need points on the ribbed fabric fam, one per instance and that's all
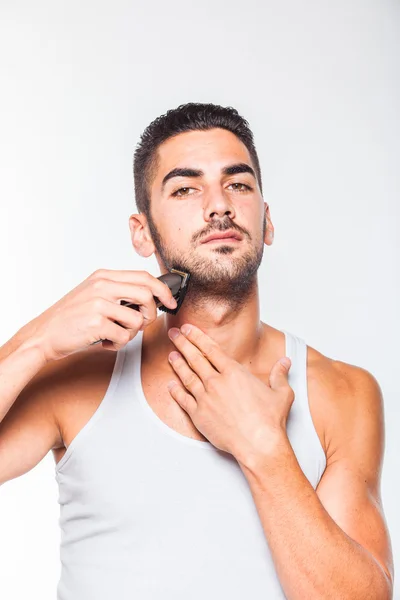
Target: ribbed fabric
(147, 513)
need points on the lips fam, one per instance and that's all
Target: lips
(228, 235)
(216, 240)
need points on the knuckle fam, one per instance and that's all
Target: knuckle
(184, 402)
(188, 380)
(147, 294)
(290, 394)
(194, 359)
(124, 336)
(138, 316)
(210, 349)
(143, 273)
(99, 273)
(98, 283)
(98, 304)
(138, 319)
(135, 324)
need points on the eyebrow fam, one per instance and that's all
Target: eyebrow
(188, 172)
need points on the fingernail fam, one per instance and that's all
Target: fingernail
(285, 361)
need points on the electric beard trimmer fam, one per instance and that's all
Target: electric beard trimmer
(177, 281)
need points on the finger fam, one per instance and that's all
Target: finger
(189, 379)
(113, 324)
(116, 335)
(193, 356)
(135, 293)
(278, 377)
(158, 288)
(185, 400)
(210, 349)
(122, 315)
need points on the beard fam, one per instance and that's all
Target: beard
(222, 275)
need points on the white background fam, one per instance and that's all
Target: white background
(318, 82)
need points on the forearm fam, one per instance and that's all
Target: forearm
(20, 359)
(314, 558)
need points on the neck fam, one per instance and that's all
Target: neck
(239, 332)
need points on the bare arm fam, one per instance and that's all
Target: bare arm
(20, 359)
(28, 429)
(332, 542)
(35, 364)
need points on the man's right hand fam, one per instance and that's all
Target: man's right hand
(87, 313)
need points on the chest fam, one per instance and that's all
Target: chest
(81, 407)
(160, 401)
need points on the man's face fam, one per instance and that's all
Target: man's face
(188, 207)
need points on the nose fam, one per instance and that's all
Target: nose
(219, 205)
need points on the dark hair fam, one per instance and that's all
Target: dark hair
(187, 117)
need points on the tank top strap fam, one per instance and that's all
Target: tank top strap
(130, 370)
(296, 350)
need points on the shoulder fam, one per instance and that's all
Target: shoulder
(80, 383)
(60, 377)
(67, 384)
(67, 388)
(348, 399)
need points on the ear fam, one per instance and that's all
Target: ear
(269, 231)
(140, 235)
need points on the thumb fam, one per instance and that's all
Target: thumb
(278, 377)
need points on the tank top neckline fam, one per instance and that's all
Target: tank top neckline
(206, 445)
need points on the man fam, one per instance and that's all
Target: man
(249, 476)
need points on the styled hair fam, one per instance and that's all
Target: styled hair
(186, 117)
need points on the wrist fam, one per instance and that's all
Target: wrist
(267, 454)
(35, 347)
(29, 341)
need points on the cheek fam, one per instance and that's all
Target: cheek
(182, 226)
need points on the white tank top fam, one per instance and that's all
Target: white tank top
(147, 513)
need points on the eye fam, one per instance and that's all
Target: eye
(244, 185)
(183, 189)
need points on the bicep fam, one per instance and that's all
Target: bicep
(29, 429)
(350, 486)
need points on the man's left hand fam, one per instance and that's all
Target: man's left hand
(230, 406)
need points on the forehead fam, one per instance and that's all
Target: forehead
(206, 150)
